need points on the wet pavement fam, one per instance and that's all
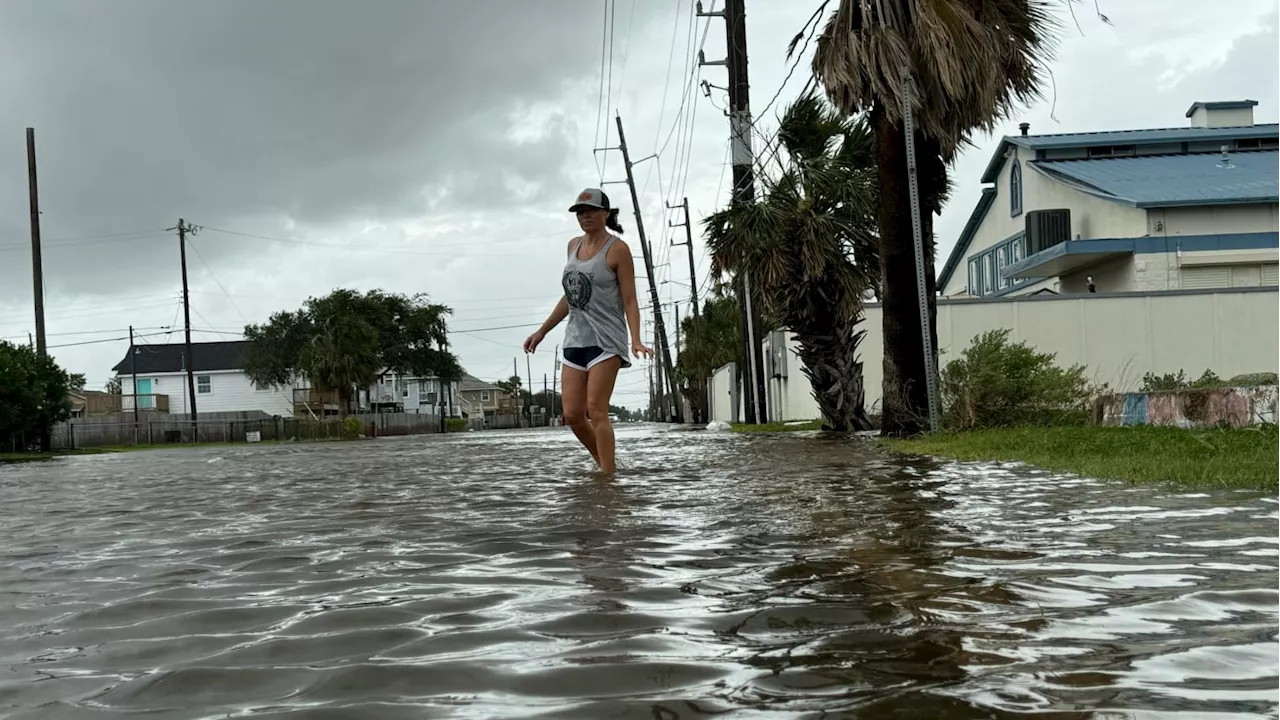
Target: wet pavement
(489, 575)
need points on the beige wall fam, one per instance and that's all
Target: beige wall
(1212, 220)
(1119, 338)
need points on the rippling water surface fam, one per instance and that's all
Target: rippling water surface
(489, 575)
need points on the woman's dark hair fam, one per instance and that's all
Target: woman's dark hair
(612, 223)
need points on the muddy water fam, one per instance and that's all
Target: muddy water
(487, 575)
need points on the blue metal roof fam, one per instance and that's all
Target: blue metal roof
(1170, 180)
(1125, 137)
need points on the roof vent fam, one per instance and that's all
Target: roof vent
(1024, 127)
(1225, 113)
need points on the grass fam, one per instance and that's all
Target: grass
(1244, 458)
(777, 427)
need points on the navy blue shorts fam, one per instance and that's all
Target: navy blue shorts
(584, 358)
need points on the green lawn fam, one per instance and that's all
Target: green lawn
(1221, 458)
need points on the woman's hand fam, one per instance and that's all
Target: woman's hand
(532, 342)
(639, 350)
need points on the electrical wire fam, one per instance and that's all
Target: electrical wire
(218, 282)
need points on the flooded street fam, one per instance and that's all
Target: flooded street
(489, 575)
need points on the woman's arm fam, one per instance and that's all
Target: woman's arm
(558, 314)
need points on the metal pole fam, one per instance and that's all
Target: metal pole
(922, 292)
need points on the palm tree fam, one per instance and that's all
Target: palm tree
(711, 340)
(810, 247)
(971, 62)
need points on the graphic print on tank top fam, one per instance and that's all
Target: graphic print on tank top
(577, 289)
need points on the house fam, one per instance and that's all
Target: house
(221, 385)
(1126, 251)
(1182, 208)
(489, 401)
(409, 394)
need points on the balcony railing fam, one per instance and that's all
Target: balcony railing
(146, 402)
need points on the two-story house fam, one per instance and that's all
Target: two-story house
(487, 400)
(1191, 207)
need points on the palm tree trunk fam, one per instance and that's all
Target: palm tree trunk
(828, 347)
(904, 400)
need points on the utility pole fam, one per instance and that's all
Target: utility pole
(555, 377)
(659, 327)
(37, 264)
(528, 369)
(734, 15)
(183, 229)
(133, 370)
(688, 243)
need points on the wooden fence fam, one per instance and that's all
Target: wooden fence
(172, 431)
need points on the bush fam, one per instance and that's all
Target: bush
(352, 427)
(1170, 381)
(455, 424)
(996, 383)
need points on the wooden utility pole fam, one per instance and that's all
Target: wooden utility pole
(659, 326)
(734, 14)
(688, 243)
(133, 370)
(37, 264)
(183, 229)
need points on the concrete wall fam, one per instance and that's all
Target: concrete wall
(790, 394)
(1232, 406)
(722, 402)
(1118, 337)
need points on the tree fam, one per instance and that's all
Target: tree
(811, 250)
(75, 381)
(971, 62)
(711, 341)
(33, 396)
(343, 340)
(113, 387)
(511, 386)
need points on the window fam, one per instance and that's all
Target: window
(989, 273)
(427, 398)
(1015, 189)
(975, 277)
(484, 396)
(204, 384)
(1016, 248)
(1002, 260)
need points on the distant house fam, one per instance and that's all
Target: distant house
(221, 385)
(487, 400)
(409, 394)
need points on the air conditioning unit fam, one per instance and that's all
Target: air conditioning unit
(1046, 228)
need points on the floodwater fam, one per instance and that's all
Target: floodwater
(489, 575)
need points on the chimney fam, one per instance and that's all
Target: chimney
(1222, 113)
(1024, 127)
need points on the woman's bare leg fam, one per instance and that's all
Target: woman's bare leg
(600, 382)
(573, 398)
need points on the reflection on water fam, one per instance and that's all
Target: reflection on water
(489, 575)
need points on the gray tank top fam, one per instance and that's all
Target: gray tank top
(596, 315)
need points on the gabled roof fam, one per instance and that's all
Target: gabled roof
(966, 235)
(1156, 136)
(470, 383)
(207, 357)
(1171, 180)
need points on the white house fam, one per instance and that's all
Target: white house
(1128, 210)
(221, 385)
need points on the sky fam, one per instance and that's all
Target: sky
(434, 147)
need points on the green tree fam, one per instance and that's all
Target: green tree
(75, 381)
(811, 250)
(33, 396)
(113, 387)
(711, 341)
(342, 341)
(971, 63)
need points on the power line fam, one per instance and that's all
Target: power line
(217, 281)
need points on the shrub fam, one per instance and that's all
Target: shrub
(455, 424)
(352, 427)
(996, 383)
(1170, 381)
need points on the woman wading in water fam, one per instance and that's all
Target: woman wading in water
(599, 299)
